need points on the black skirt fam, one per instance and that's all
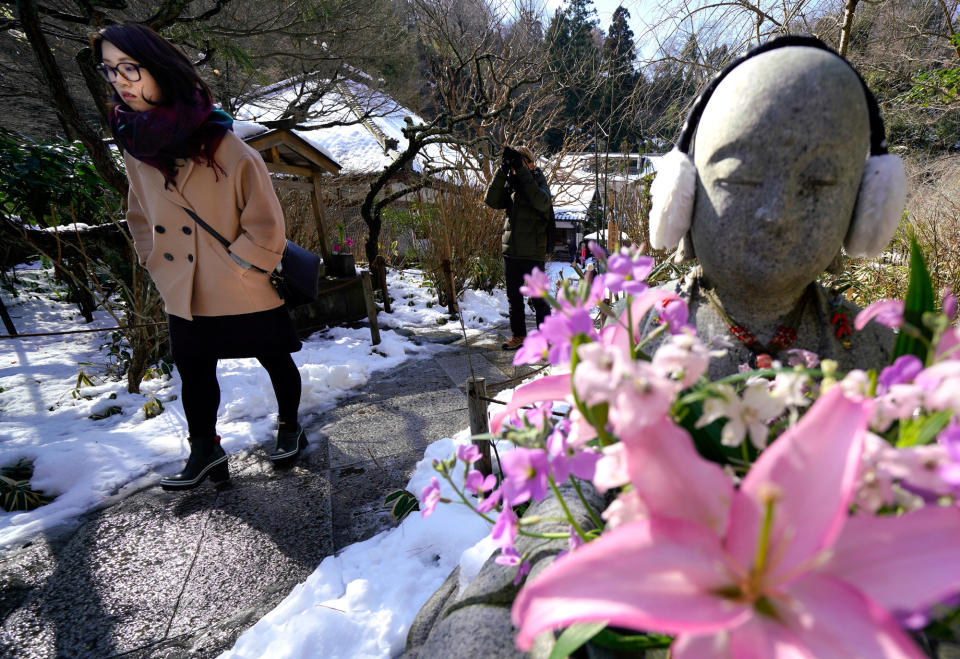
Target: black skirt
(231, 337)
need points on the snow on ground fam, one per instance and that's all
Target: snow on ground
(415, 305)
(45, 417)
(361, 602)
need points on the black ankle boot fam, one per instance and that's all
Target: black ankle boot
(289, 444)
(206, 459)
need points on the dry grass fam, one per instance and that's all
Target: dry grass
(933, 212)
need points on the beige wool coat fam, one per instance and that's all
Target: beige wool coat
(192, 270)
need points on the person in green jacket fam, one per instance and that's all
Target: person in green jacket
(520, 188)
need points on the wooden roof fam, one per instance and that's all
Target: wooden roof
(285, 152)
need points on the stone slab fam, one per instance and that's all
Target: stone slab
(358, 492)
(380, 432)
(263, 536)
(114, 584)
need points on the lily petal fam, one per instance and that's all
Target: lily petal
(811, 470)
(551, 387)
(752, 640)
(832, 620)
(902, 563)
(671, 477)
(652, 574)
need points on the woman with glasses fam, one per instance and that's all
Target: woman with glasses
(181, 155)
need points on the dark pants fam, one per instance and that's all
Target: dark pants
(201, 391)
(514, 270)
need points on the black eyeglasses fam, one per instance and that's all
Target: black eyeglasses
(128, 70)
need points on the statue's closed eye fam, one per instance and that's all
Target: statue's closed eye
(737, 182)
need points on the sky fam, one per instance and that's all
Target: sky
(642, 15)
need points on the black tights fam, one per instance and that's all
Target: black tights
(201, 391)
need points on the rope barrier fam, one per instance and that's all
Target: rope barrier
(350, 282)
(83, 331)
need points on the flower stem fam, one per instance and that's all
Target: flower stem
(563, 504)
(583, 500)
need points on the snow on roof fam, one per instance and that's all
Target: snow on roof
(360, 147)
(572, 200)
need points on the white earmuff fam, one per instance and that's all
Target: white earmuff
(672, 194)
(880, 200)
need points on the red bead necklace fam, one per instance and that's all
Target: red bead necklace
(783, 337)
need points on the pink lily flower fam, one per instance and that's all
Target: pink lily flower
(775, 568)
(885, 312)
(549, 388)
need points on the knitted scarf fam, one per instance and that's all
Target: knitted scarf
(161, 135)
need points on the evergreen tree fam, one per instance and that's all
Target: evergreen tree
(620, 81)
(574, 61)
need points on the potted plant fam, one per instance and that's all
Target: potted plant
(340, 263)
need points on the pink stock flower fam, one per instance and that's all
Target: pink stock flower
(611, 468)
(490, 501)
(886, 312)
(468, 453)
(949, 303)
(535, 284)
(429, 497)
(559, 330)
(598, 252)
(525, 475)
(476, 483)
(598, 373)
(641, 397)
(509, 556)
(805, 358)
(903, 369)
(775, 568)
(683, 358)
(675, 313)
(535, 349)
(626, 272)
(566, 460)
(950, 440)
(504, 531)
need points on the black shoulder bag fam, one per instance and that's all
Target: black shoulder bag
(295, 278)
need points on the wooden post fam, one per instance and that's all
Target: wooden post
(379, 268)
(7, 321)
(319, 210)
(479, 423)
(448, 283)
(371, 308)
(613, 237)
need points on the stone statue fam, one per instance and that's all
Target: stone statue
(778, 181)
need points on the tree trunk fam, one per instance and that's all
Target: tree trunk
(848, 11)
(64, 105)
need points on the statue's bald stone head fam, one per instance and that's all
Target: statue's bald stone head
(779, 153)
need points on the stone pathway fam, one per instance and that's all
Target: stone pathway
(182, 575)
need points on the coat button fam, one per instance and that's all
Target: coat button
(159, 228)
(187, 230)
(168, 256)
(190, 258)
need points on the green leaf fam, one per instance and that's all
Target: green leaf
(613, 640)
(574, 636)
(401, 504)
(918, 301)
(917, 432)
